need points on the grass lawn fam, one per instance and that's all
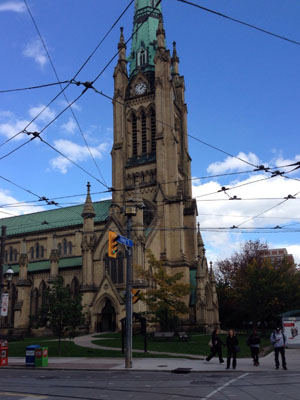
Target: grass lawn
(68, 349)
(198, 344)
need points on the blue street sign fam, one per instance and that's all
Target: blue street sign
(124, 240)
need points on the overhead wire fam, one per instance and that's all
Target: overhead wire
(240, 22)
(269, 209)
(64, 93)
(88, 85)
(34, 87)
(72, 80)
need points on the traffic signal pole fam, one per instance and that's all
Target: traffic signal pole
(2, 247)
(128, 346)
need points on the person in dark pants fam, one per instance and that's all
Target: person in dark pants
(254, 342)
(216, 347)
(232, 348)
(278, 340)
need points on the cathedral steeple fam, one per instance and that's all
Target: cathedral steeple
(145, 24)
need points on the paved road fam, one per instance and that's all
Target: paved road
(133, 385)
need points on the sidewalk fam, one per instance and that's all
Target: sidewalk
(161, 364)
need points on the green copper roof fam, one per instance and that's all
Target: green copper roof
(45, 265)
(53, 219)
(144, 40)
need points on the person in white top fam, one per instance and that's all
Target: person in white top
(278, 340)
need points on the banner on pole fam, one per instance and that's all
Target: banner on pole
(4, 304)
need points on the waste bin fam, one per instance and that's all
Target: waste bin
(41, 357)
(3, 353)
(30, 354)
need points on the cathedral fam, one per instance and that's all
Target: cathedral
(151, 171)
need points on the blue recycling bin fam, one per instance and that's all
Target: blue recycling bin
(30, 355)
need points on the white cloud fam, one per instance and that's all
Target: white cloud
(75, 152)
(36, 51)
(11, 125)
(47, 115)
(281, 161)
(14, 126)
(227, 213)
(14, 6)
(233, 164)
(10, 211)
(69, 126)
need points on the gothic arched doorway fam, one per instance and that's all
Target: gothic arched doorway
(107, 318)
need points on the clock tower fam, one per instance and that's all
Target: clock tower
(150, 158)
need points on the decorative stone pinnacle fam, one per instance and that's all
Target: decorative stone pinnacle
(198, 226)
(88, 209)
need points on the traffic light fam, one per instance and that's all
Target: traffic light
(112, 244)
(135, 295)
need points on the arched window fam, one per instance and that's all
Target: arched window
(42, 252)
(141, 57)
(37, 250)
(15, 255)
(65, 246)
(74, 287)
(32, 253)
(134, 135)
(144, 134)
(42, 293)
(59, 248)
(6, 256)
(153, 130)
(10, 254)
(70, 247)
(34, 303)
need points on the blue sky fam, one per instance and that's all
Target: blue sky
(242, 93)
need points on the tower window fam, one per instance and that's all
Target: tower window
(141, 57)
(144, 134)
(134, 136)
(153, 130)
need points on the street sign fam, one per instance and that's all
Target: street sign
(125, 241)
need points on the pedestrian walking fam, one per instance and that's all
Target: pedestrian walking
(278, 340)
(254, 343)
(216, 346)
(232, 344)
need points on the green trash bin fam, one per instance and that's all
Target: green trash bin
(41, 357)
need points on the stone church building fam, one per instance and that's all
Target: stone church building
(151, 168)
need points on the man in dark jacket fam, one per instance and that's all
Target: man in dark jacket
(254, 342)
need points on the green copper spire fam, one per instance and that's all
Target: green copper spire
(143, 46)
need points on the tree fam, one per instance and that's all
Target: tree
(61, 312)
(164, 297)
(251, 288)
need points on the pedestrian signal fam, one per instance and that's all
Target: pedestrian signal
(112, 244)
(135, 295)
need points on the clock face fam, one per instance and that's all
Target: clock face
(140, 88)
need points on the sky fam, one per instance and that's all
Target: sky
(242, 94)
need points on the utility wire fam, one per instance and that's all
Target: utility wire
(73, 162)
(64, 93)
(80, 69)
(240, 22)
(34, 87)
(269, 209)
